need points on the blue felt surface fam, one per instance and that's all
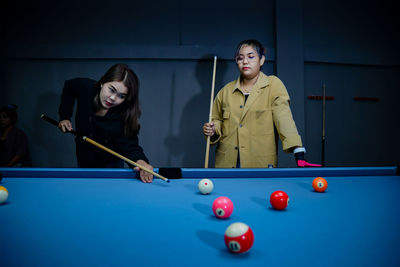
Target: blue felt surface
(123, 222)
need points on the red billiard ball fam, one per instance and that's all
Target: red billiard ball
(238, 237)
(222, 207)
(279, 200)
(319, 184)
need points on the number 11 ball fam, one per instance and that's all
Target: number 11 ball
(3, 194)
(238, 237)
(205, 186)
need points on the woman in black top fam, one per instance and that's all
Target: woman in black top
(14, 148)
(108, 111)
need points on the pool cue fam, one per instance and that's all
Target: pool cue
(91, 141)
(323, 124)
(210, 115)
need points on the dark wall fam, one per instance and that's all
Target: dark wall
(351, 47)
(170, 45)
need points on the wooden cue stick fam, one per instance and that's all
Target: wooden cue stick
(323, 123)
(87, 139)
(91, 141)
(210, 114)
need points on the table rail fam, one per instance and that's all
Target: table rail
(198, 172)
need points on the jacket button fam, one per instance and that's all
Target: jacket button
(240, 126)
(241, 106)
(236, 147)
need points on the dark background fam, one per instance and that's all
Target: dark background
(350, 46)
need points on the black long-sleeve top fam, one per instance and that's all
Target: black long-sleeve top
(107, 130)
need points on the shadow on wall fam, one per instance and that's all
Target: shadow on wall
(190, 141)
(56, 149)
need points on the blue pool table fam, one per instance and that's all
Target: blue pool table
(106, 217)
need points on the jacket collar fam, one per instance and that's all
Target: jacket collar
(262, 81)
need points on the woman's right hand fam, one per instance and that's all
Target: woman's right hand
(209, 129)
(65, 126)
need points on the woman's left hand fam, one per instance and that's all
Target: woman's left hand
(144, 176)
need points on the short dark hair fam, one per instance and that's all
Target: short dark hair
(253, 43)
(11, 112)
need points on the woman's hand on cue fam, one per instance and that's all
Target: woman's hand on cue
(209, 129)
(144, 176)
(65, 126)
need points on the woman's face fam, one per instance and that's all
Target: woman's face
(248, 62)
(113, 94)
(5, 120)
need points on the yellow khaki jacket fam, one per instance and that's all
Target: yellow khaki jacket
(249, 128)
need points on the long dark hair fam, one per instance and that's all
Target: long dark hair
(130, 108)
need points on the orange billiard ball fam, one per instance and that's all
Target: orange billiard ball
(319, 184)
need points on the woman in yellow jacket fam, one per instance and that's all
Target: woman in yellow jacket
(246, 113)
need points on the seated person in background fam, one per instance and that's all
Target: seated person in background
(246, 113)
(108, 112)
(14, 148)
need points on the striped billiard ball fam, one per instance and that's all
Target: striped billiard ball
(239, 237)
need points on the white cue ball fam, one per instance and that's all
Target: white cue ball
(3, 194)
(205, 186)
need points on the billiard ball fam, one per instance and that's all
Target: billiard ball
(279, 200)
(205, 186)
(222, 207)
(319, 184)
(3, 194)
(238, 237)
